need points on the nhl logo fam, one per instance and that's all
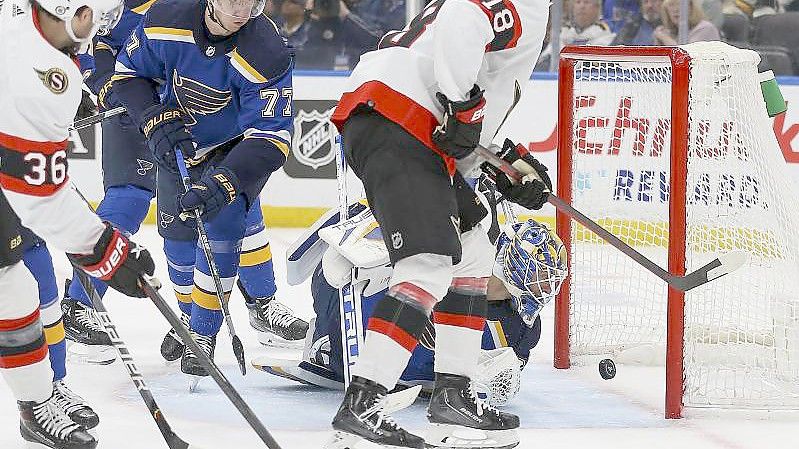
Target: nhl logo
(210, 51)
(314, 138)
(396, 240)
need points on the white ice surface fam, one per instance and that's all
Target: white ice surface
(559, 409)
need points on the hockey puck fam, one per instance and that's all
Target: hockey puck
(607, 369)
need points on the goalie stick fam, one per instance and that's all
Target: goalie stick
(238, 347)
(172, 440)
(724, 264)
(349, 295)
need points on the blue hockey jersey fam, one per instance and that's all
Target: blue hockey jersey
(99, 66)
(228, 87)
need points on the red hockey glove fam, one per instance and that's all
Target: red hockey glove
(117, 261)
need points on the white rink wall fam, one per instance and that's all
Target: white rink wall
(306, 186)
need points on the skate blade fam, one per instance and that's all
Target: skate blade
(447, 436)
(194, 383)
(342, 440)
(90, 355)
(271, 340)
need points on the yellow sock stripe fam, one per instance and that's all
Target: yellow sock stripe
(206, 300)
(183, 297)
(255, 257)
(54, 333)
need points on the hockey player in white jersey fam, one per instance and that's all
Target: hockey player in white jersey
(423, 100)
(41, 87)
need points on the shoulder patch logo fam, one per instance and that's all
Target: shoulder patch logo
(54, 79)
(195, 97)
(314, 138)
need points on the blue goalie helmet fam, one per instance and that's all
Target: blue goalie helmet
(533, 264)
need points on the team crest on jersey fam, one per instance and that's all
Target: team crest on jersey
(166, 219)
(144, 167)
(314, 138)
(54, 79)
(195, 98)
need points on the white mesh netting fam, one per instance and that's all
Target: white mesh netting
(741, 331)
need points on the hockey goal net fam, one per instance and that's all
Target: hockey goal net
(671, 149)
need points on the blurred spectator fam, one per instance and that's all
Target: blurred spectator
(699, 28)
(713, 12)
(585, 27)
(382, 15)
(293, 22)
(637, 29)
(335, 37)
(617, 12)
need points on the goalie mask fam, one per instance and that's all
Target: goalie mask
(105, 15)
(531, 262)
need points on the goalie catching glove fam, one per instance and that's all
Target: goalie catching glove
(463, 122)
(118, 261)
(532, 193)
(165, 130)
(211, 193)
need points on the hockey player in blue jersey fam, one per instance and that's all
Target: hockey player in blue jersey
(212, 79)
(129, 183)
(530, 265)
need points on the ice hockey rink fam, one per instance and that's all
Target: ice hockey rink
(559, 409)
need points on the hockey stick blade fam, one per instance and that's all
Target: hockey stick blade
(172, 440)
(97, 118)
(722, 265)
(238, 348)
(210, 367)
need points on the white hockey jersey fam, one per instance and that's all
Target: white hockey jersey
(449, 47)
(41, 90)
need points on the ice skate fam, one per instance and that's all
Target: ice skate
(75, 406)
(87, 340)
(172, 346)
(275, 323)
(190, 365)
(460, 419)
(47, 424)
(364, 414)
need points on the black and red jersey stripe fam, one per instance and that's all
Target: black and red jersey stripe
(27, 165)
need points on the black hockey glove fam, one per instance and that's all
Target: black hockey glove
(86, 108)
(214, 191)
(165, 130)
(463, 122)
(531, 193)
(118, 261)
(106, 98)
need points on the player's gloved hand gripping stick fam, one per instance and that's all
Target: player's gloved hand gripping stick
(520, 172)
(238, 348)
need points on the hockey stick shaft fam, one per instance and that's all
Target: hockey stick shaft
(205, 244)
(172, 440)
(97, 118)
(718, 267)
(209, 365)
(349, 304)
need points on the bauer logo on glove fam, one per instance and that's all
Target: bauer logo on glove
(211, 193)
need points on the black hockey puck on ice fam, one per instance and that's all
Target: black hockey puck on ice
(607, 369)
